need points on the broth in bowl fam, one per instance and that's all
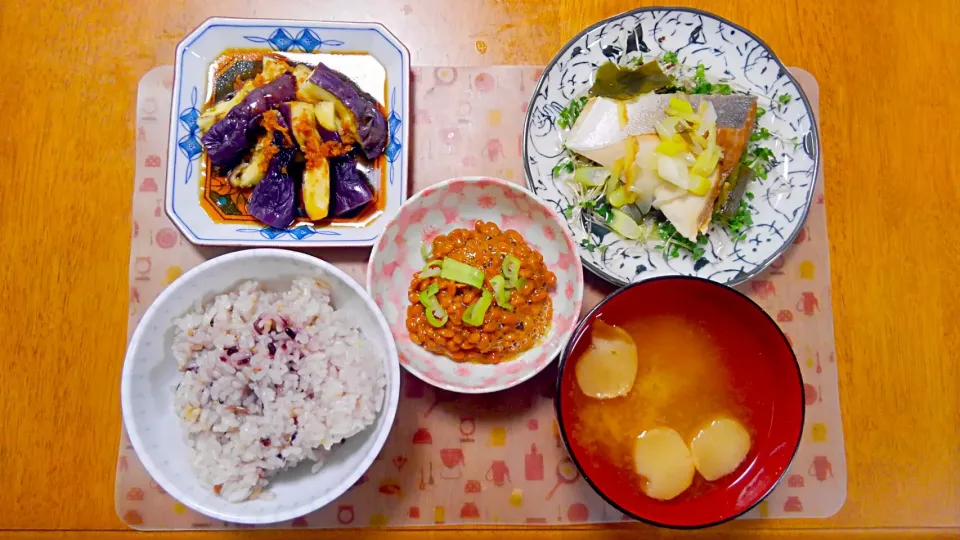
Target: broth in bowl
(680, 401)
(683, 386)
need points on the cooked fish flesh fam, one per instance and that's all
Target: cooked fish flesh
(601, 134)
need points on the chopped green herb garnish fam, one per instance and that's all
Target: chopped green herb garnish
(760, 159)
(759, 169)
(603, 210)
(748, 195)
(670, 57)
(568, 116)
(565, 165)
(673, 242)
(600, 207)
(761, 134)
(785, 98)
(702, 86)
(760, 112)
(568, 211)
(740, 221)
(700, 83)
(764, 153)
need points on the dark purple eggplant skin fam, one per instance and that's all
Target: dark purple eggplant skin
(327, 135)
(371, 125)
(350, 190)
(274, 199)
(228, 139)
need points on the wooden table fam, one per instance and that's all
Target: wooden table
(893, 191)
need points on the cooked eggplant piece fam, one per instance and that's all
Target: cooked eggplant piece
(359, 117)
(350, 189)
(316, 173)
(234, 175)
(273, 199)
(229, 138)
(302, 73)
(273, 68)
(252, 172)
(316, 188)
(216, 113)
(326, 114)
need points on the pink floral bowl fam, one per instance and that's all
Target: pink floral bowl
(459, 203)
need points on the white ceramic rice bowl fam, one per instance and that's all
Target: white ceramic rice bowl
(150, 375)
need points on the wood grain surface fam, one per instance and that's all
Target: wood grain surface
(886, 70)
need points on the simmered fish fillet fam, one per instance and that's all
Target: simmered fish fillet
(602, 129)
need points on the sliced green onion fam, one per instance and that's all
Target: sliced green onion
(500, 292)
(436, 315)
(699, 185)
(474, 314)
(625, 226)
(428, 293)
(666, 127)
(674, 146)
(431, 269)
(461, 273)
(680, 106)
(591, 176)
(511, 270)
(621, 197)
(432, 313)
(706, 162)
(426, 250)
(613, 181)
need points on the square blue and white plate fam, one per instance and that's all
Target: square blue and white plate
(205, 210)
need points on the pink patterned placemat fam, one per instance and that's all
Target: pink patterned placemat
(455, 459)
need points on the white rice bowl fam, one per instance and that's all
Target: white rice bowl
(250, 365)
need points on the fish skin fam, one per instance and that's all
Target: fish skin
(733, 111)
(733, 141)
(599, 126)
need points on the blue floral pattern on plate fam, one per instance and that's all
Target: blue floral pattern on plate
(189, 144)
(297, 233)
(306, 41)
(728, 52)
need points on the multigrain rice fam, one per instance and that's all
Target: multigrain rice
(270, 380)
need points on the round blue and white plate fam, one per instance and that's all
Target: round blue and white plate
(729, 53)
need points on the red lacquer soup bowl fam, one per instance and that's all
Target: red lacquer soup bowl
(760, 366)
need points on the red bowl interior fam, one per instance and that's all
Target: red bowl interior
(764, 368)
